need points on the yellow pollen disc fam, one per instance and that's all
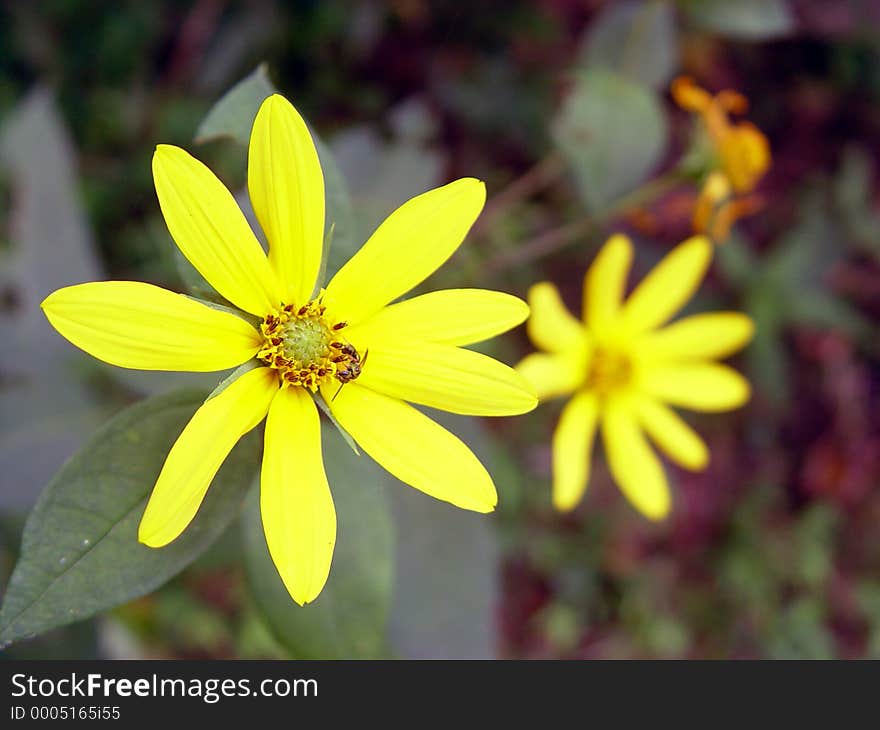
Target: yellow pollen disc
(305, 348)
(609, 371)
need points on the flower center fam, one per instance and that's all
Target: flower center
(305, 348)
(609, 370)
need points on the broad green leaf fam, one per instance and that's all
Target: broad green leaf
(348, 620)
(636, 39)
(753, 20)
(612, 131)
(233, 116)
(80, 553)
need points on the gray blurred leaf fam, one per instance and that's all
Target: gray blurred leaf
(80, 554)
(636, 39)
(384, 174)
(753, 20)
(446, 588)
(348, 620)
(612, 132)
(44, 401)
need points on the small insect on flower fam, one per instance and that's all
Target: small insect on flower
(352, 371)
(308, 343)
(624, 369)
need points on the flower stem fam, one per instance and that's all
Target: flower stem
(538, 177)
(557, 239)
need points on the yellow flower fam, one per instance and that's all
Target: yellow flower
(625, 369)
(308, 343)
(742, 149)
(741, 157)
(717, 207)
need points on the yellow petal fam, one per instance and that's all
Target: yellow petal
(605, 283)
(702, 336)
(447, 317)
(551, 326)
(449, 378)
(572, 444)
(672, 435)
(715, 191)
(200, 450)
(135, 325)
(698, 386)
(688, 95)
(299, 518)
(745, 156)
(412, 243)
(634, 465)
(669, 286)
(211, 231)
(414, 448)
(553, 375)
(286, 187)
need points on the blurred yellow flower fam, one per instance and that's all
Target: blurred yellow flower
(717, 208)
(625, 369)
(305, 343)
(741, 158)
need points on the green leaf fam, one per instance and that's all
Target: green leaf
(446, 588)
(853, 196)
(635, 39)
(736, 261)
(245, 367)
(348, 620)
(612, 131)
(823, 310)
(800, 631)
(325, 409)
(753, 20)
(233, 116)
(766, 355)
(80, 553)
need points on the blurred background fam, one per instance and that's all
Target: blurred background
(774, 551)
